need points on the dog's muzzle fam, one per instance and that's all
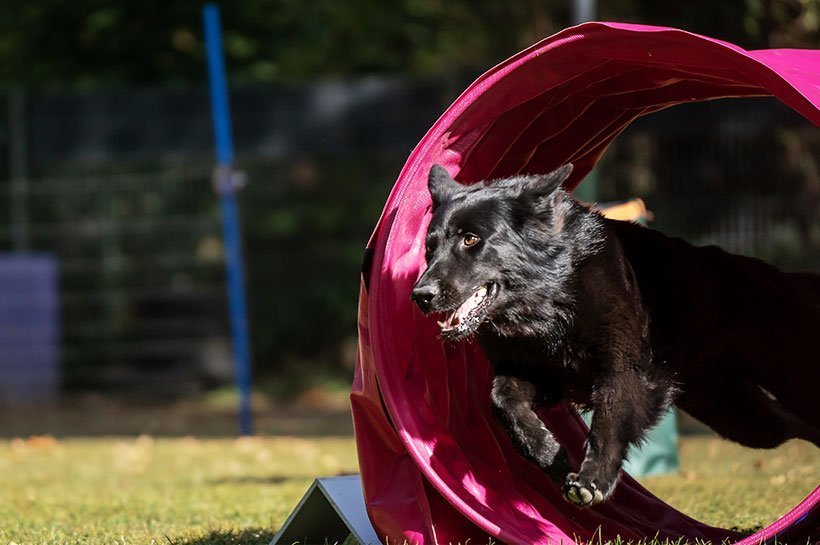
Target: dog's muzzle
(424, 295)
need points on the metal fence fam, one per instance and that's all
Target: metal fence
(742, 174)
(118, 187)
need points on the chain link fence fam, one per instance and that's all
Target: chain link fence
(118, 187)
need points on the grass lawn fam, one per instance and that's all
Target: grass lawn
(727, 485)
(169, 491)
(184, 490)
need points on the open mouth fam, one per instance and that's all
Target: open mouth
(466, 318)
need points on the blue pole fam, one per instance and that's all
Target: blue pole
(226, 187)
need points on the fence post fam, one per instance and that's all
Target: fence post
(583, 11)
(18, 168)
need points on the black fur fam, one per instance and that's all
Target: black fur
(618, 318)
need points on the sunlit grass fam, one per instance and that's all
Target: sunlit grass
(164, 491)
(724, 484)
(213, 491)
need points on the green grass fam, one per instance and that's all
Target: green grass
(727, 485)
(183, 490)
(144, 490)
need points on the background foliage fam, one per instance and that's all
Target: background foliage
(329, 98)
(146, 42)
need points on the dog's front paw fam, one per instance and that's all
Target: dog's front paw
(581, 491)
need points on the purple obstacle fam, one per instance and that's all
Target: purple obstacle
(435, 466)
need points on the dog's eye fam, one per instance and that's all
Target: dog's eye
(470, 240)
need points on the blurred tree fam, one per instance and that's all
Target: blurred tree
(752, 24)
(785, 23)
(98, 43)
(315, 210)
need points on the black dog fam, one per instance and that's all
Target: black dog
(618, 318)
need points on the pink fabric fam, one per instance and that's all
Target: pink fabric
(435, 466)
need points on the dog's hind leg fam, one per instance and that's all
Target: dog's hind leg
(740, 410)
(514, 400)
(625, 406)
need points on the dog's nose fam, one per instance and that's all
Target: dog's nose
(424, 295)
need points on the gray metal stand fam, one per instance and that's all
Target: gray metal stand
(332, 512)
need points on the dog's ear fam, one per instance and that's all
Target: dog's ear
(441, 184)
(545, 185)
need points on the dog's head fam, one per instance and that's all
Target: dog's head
(477, 241)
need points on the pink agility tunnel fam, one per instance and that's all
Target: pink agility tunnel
(435, 466)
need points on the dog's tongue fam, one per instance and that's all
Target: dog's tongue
(461, 313)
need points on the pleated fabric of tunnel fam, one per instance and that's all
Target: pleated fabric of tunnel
(435, 466)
